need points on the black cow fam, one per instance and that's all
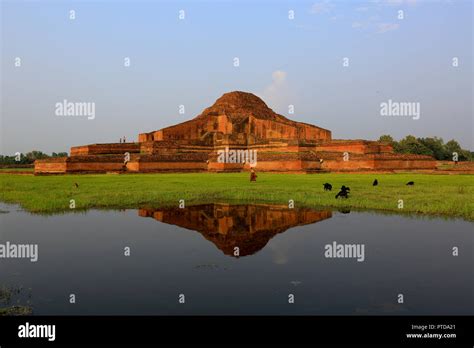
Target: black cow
(327, 187)
(344, 193)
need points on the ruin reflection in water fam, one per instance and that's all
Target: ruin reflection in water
(246, 227)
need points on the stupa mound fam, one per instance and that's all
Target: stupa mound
(237, 132)
(238, 118)
(239, 105)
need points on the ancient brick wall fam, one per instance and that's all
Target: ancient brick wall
(269, 129)
(84, 164)
(176, 157)
(379, 162)
(312, 133)
(193, 129)
(197, 128)
(168, 167)
(398, 162)
(165, 162)
(354, 146)
(95, 163)
(279, 166)
(55, 165)
(102, 149)
(228, 167)
(143, 137)
(94, 167)
(354, 164)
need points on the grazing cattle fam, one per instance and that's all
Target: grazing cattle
(344, 193)
(410, 183)
(327, 187)
(375, 183)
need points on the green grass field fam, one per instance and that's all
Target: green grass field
(448, 195)
(17, 169)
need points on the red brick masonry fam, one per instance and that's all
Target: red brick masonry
(237, 120)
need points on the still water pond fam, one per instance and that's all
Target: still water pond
(238, 259)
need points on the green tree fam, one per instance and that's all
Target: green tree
(34, 155)
(388, 139)
(437, 147)
(412, 145)
(453, 146)
(59, 154)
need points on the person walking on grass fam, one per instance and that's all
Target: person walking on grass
(253, 176)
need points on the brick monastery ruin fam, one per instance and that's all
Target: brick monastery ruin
(236, 121)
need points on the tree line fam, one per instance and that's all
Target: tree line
(28, 158)
(434, 146)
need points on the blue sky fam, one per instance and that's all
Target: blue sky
(190, 62)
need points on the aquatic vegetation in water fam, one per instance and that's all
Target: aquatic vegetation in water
(7, 295)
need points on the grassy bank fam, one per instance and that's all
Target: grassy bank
(17, 169)
(451, 195)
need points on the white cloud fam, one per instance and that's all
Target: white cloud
(278, 83)
(279, 76)
(321, 7)
(369, 23)
(385, 27)
(395, 2)
(337, 17)
(277, 94)
(400, 2)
